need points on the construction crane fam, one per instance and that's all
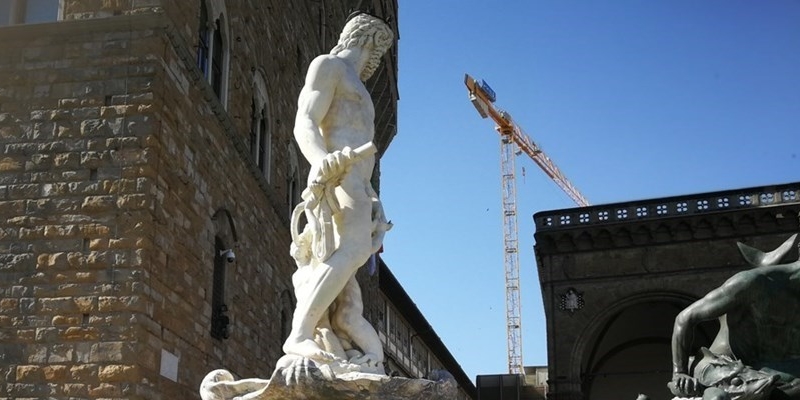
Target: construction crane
(512, 141)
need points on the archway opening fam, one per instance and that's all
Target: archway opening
(632, 351)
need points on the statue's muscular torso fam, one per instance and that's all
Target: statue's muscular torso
(350, 117)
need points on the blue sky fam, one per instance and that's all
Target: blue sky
(631, 99)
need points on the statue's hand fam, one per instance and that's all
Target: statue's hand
(683, 385)
(333, 165)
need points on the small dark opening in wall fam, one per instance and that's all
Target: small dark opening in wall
(219, 317)
(93, 174)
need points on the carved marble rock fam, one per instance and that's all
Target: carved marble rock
(299, 378)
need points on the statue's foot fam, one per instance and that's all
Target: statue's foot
(368, 359)
(307, 348)
(368, 363)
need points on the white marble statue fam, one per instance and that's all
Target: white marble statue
(332, 352)
(334, 128)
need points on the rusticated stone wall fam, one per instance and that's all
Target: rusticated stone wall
(75, 117)
(121, 171)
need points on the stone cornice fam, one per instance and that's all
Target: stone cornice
(725, 214)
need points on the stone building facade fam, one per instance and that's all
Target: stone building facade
(615, 276)
(144, 143)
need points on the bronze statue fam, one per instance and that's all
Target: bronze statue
(756, 353)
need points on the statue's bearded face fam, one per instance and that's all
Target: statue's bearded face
(375, 56)
(369, 33)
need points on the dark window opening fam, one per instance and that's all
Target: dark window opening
(263, 148)
(219, 317)
(203, 45)
(216, 61)
(254, 131)
(260, 141)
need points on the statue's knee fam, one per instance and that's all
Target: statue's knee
(345, 319)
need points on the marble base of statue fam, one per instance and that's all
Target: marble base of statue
(302, 378)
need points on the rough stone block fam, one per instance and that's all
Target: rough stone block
(66, 320)
(76, 389)
(8, 306)
(61, 231)
(57, 305)
(55, 373)
(118, 373)
(37, 354)
(29, 373)
(12, 164)
(105, 390)
(95, 127)
(61, 353)
(108, 352)
(46, 334)
(85, 304)
(11, 354)
(76, 333)
(98, 203)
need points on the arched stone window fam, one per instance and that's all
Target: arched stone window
(14, 12)
(260, 130)
(213, 46)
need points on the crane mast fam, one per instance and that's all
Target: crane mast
(512, 138)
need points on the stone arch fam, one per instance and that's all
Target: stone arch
(662, 233)
(766, 222)
(584, 241)
(564, 243)
(703, 230)
(622, 238)
(724, 227)
(604, 239)
(629, 341)
(224, 226)
(641, 235)
(746, 224)
(682, 231)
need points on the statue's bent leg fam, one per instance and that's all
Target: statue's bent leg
(329, 278)
(349, 318)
